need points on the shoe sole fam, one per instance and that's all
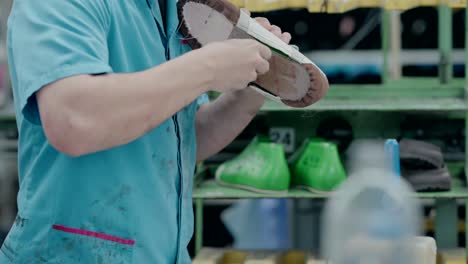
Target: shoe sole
(431, 180)
(250, 188)
(292, 79)
(310, 189)
(262, 191)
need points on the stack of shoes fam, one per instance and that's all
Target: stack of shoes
(422, 165)
(262, 167)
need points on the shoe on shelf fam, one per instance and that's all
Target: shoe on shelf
(423, 166)
(429, 180)
(420, 155)
(317, 167)
(260, 167)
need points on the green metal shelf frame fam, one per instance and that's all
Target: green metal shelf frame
(210, 190)
(409, 94)
(442, 94)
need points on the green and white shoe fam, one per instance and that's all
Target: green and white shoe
(317, 167)
(261, 167)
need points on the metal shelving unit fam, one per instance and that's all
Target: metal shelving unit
(443, 94)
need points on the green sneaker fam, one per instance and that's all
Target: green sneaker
(317, 167)
(261, 167)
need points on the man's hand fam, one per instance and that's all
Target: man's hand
(235, 63)
(284, 36)
(251, 99)
(220, 121)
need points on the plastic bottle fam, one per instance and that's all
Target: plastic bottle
(374, 216)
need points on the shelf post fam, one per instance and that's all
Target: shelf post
(446, 223)
(466, 226)
(198, 225)
(466, 64)
(466, 125)
(385, 35)
(445, 44)
(395, 69)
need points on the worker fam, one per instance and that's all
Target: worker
(112, 114)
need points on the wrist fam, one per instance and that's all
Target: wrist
(206, 66)
(252, 100)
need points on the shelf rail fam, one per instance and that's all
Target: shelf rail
(341, 6)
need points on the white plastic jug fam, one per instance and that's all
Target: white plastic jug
(374, 216)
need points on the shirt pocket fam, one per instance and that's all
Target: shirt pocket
(73, 245)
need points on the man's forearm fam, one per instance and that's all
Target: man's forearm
(86, 114)
(222, 120)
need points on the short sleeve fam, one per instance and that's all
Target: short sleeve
(202, 99)
(54, 39)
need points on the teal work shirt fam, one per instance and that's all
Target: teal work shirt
(128, 204)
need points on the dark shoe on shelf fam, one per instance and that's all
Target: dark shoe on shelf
(423, 166)
(420, 155)
(429, 180)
